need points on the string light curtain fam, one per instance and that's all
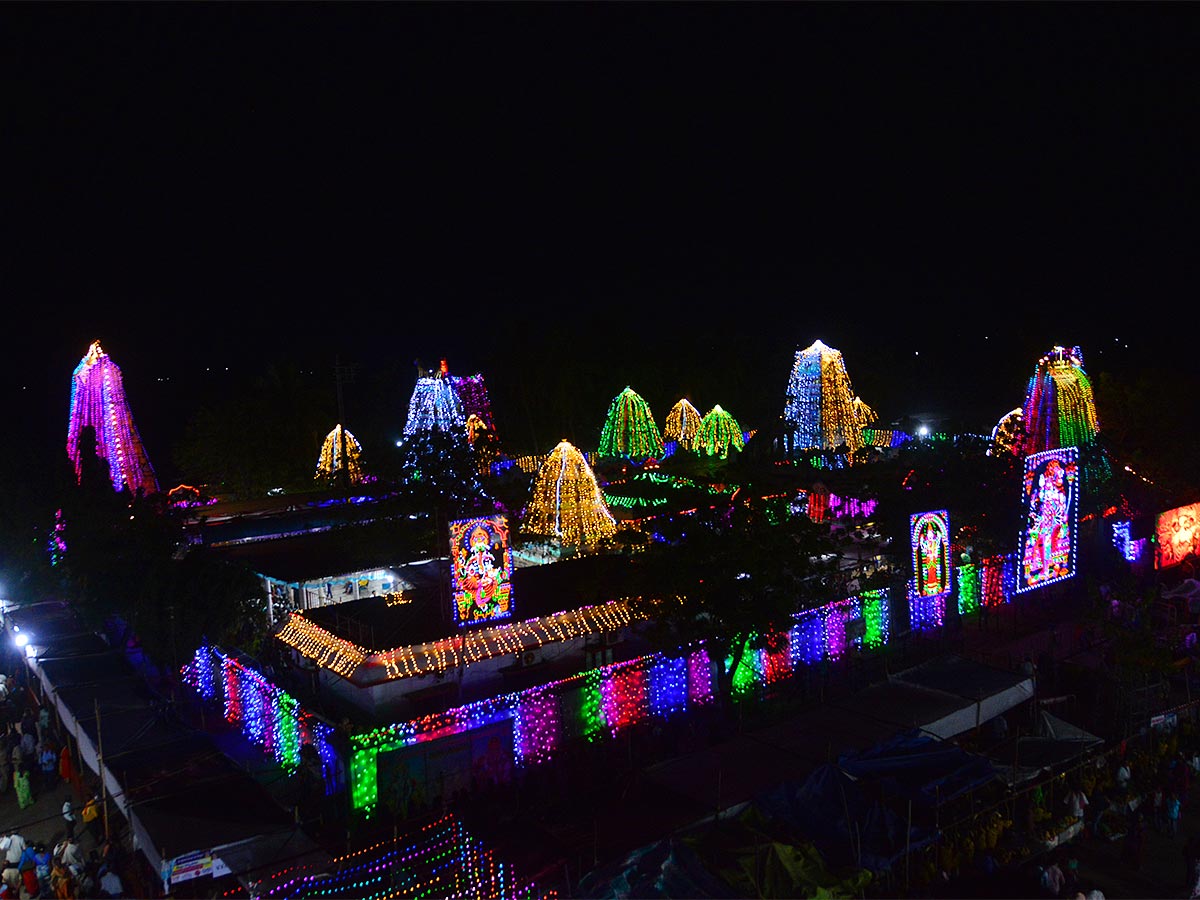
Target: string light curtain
(98, 400)
(719, 433)
(683, 421)
(821, 411)
(629, 429)
(566, 502)
(434, 402)
(1060, 409)
(330, 462)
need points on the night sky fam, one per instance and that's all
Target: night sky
(674, 197)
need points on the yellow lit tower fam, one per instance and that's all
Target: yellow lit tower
(683, 421)
(566, 503)
(337, 454)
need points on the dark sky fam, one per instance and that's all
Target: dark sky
(670, 196)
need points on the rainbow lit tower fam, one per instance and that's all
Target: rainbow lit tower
(98, 400)
(822, 411)
(1060, 409)
(629, 429)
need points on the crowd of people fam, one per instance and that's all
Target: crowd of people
(36, 763)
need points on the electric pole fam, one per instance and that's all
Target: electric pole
(342, 375)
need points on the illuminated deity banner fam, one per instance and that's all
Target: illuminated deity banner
(481, 575)
(98, 400)
(822, 411)
(929, 534)
(1048, 544)
(629, 429)
(1178, 532)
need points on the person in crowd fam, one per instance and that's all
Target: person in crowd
(48, 764)
(68, 853)
(43, 859)
(1053, 879)
(92, 820)
(29, 745)
(1158, 809)
(68, 814)
(65, 770)
(1070, 877)
(11, 877)
(110, 883)
(1077, 802)
(1174, 807)
(24, 786)
(6, 769)
(28, 869)
(13, 845)
(1123, 776)
(61, 881)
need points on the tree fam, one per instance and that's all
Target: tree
(441, 471)
(267, 434)
(730, 581)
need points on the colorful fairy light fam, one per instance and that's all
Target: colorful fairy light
(968, 589)
(925, 611)
(1048, 543)
(472, 392)
(681, 425)
(98, 400)
(439, 860)
(268, 715)
(566, 503)
(997, 580)
(1059, 409)
(820, 410)
(629, 429)
(605, 701)
(719, 433)
(336, 455)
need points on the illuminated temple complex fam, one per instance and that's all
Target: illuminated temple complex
(98, 401)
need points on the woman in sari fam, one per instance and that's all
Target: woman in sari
(23, 787)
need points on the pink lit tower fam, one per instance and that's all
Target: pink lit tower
(98, 400)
